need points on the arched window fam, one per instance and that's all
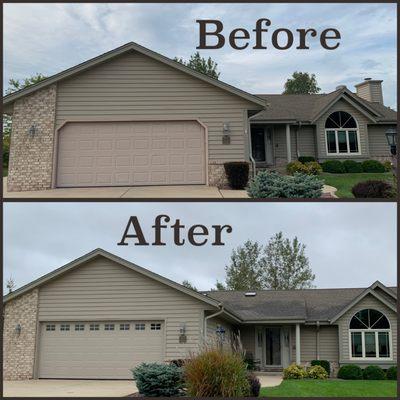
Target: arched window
(341, 134)
(370, 335)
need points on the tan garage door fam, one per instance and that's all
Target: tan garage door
(131, 153)
(98, 350)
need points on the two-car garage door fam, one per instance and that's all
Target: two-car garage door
(98, 350)
(131, 153)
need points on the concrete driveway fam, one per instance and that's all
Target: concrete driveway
(68, 388)
(137, 192)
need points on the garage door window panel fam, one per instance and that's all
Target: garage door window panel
(64, 327)
(109, 327)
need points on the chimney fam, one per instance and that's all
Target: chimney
(370, 90)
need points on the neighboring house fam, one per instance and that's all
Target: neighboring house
(134, 117)
(100, 315)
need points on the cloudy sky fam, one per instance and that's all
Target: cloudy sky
(348, 244)
(48, 38)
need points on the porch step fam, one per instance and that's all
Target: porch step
(272, 369)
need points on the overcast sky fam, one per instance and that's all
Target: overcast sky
(348, 244)
(48, 38)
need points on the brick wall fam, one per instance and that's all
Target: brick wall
(31, 158)
(19, 349)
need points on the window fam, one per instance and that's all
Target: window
(108, 327)
(155, 327)
(341, 134)
(370, 335)
(94, 327)
(140, 327)
(124, 327)
(64, 327)
(50, 327)
(79, 327)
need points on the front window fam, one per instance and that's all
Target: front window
(369, 335)
(341, 134)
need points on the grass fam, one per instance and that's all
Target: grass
(344, 182)
(5, 171)
(331, 388)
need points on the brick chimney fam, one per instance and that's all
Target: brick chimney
(370, 90)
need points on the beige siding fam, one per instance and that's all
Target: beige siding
(378, 146)
(138, 87)
(306, 142)
(104, 290)
(362, 121)
(343, 323)
(247, 335)
(329, 343)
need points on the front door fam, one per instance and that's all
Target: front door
(273, 346)
(258, 143)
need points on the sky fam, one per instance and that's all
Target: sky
(48, 38)
(348, 244)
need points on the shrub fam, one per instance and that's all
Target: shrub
(351, 372)
(313, 168)
(294, 372)
(254, 384)
(333, 167)
(309, 168)
(237, 174)
(373, 373)
(373, 189)
(372, 166)
(352, 166)
(317, 372)
(306, 159)
(391, 374)
(325, 364)
(155, 380)
(216, 372)
(388, 166)
(272, 185)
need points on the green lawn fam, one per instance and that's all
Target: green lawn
(331, 388)
(5, 171)
(344, 182)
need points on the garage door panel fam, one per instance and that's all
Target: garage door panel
(120, 153)
(98, 354)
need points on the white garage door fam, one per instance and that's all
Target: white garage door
(98, 350)
(131, 153)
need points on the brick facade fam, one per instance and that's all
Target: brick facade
(31, 158)
(19, 349)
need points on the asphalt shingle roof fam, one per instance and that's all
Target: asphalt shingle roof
(306, 304)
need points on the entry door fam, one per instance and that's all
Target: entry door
(285, 340)
(273, 346)
(258, 143)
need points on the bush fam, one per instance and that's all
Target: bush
(272, 185)
(317, 372)
(254, 384)
(351, 372)
(333, 167)
(325, 364)
(372, 166)
(237, 174)
(391, 374)
(306, 159)
(155, 380)
(352, 166)
(309, 168)
(374, 373)
(216, 372)
(388, 166)
(313, 168)
(294, 372)
(373, 189)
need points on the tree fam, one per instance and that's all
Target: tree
(16, 84)
(245, 270)
(200, 64)
(286, 265)
(10, 284)
(301, 83)
(189, 285)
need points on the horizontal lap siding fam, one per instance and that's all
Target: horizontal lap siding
(378, 146)
(344, 322)
(135, 86)
(212, 325)
(104, 290)
(329, 343)
(247, 336)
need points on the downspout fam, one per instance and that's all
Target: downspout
(297, 139)
(209, 317)
(253, 162)
(317, 340)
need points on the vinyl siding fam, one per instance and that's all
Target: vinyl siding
(362, 121)
(344, 322)
(247, 335)
(138, 87)
(212, 325)
(104, 290)
(378, 146)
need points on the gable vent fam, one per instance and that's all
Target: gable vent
(250, 294)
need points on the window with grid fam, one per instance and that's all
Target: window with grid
(155, 327)
(124, 327)
(109, 327)
(140, 327)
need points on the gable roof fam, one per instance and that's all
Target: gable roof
(128, 47)
(308, 107)
(307, 305)
(102, 253)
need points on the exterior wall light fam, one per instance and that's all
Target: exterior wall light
(226, 133)
(220, 331)
(18, 329)
(32, 131)
(391, 137)
(182, 334)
